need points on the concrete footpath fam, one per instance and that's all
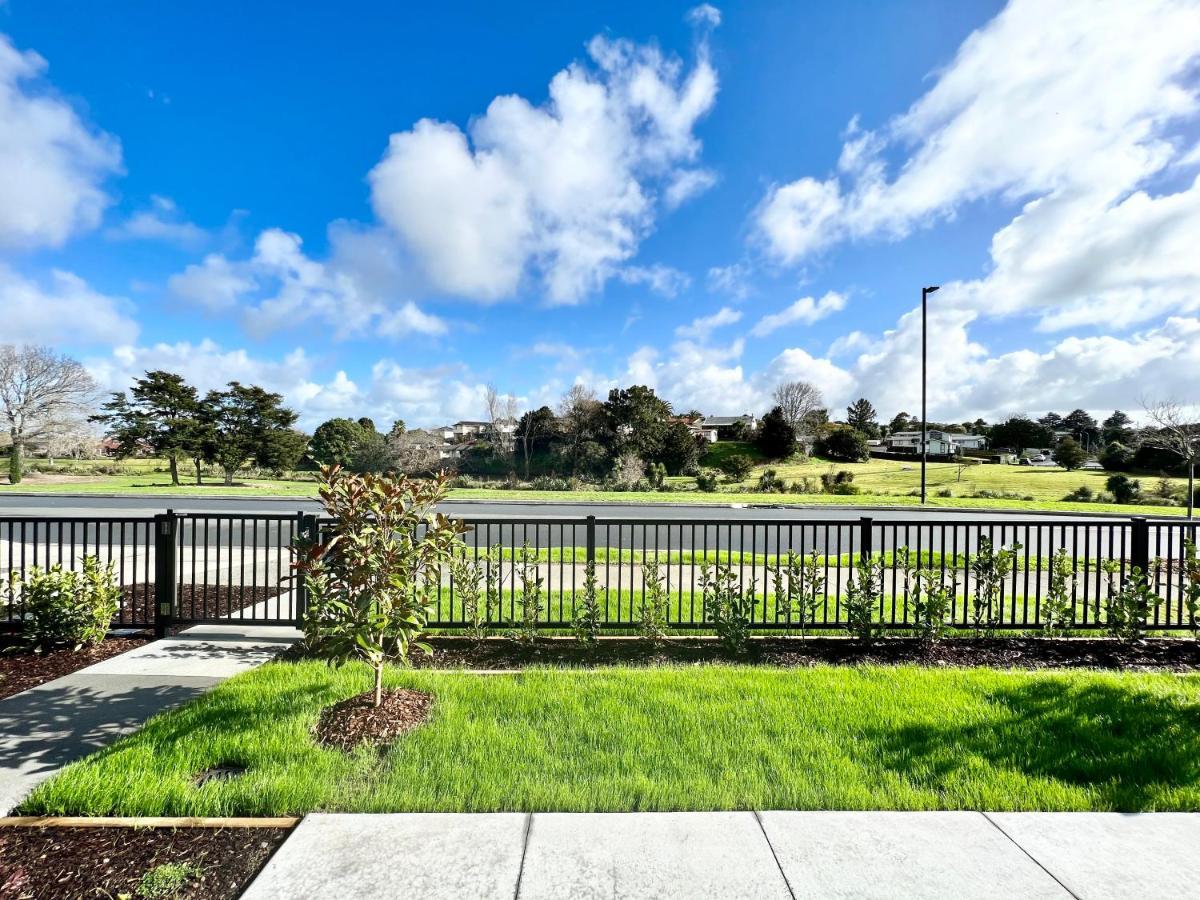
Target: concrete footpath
(785, 855)
(53, 724)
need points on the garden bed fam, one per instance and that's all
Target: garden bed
(21, 670)
(702, 737)
(72, 862)
(208, 601)
(1178, 655)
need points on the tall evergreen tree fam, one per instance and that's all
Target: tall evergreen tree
(244, 421)
(861, 416)
(161, 413)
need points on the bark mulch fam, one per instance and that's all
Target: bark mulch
(357, 721)
(1177, 655)
(21, 670)
(195, 601)
(53, 863)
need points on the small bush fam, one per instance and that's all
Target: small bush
(1058, 607)
(944, 492)
(1081, 494)
(1123, 488)
(737, 466)
(1129, 602)
(727, 606)
(843, 445)
(799, 589)
(862, 592)
(840, 482)
(989, 567)
(553, 483)
(652, 607)
(803, 486)
(769, 482)
(529, 599)
(65, 606)
(706, 481)
(586, 624)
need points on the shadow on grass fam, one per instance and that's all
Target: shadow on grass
(1128, 746)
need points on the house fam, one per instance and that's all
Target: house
(941, 443)
(695, 425)
(731, 428)
(466, 429)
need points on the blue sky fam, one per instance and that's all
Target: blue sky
(379, 209)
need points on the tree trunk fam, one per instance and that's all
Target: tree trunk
(199, 479)
(378, 683)
(174, 464)
(1191, 498)
(229, 477)
(14, 457)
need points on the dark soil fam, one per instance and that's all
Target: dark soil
(1022, 653)
(63, 862)
(198, 601)
(357, 721)
(19, 670)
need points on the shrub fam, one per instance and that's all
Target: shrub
(1116, 457)
(840, 482)
(803, 486)
(1081, 494)
(776, 439)
(843, 445)
(1128, 603)
(769, 482)
(737, 466)
(944, 492)
(168, 879)
(627, 471)
(554, 483)
(1069, 455)
(66, 606)
(1058, 607)
(989, 567)
(862, 590)
(530, 598)
(933, 603)
(799, 588)
(652, 607)
(656, 474)
(706, 481)
(1190, 580)
(373, 576)
(468, 575)
(727, 606)
(586, 624)
(1123, 488)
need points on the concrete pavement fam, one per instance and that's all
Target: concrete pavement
(782, 854)
(53, 724)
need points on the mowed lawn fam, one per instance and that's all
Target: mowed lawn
(688, 738)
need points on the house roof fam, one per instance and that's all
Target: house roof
(717, 421)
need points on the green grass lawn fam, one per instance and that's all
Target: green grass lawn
(719, 737)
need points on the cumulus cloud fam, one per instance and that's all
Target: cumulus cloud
(701, 328)
(563, 191)
(52, 164)
(65, 310)
(806, 311)
(663, 280)
(279, 287)
(162, 221)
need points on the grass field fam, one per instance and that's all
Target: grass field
(881, 482)
(719, 737)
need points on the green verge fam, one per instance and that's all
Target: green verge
(695, 738)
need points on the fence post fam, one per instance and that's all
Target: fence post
(306, 534)
(865, 547)
(591, 539)
(1139, 544)
(164, 571)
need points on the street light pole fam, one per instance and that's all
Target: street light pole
(925, 292)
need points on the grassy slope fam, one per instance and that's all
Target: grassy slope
(663, 739)
(882, 482)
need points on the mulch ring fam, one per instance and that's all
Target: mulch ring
(21, 670)
(1179, 655)
(356, 721)
(203, 601)
(55, 862)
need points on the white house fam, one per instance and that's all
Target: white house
(941, 443)
(722, 425)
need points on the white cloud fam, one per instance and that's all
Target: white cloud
(661, 279)
(163, 221)
(52, 164)
(700, 329)
(704, 15)
(806, 310)
(281, 287)
(733, 280)
(564, 191)
(686, 184)
(66, 311)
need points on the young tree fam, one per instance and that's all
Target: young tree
(160, 413)
(1069, 455)
(334, 442)
(243, 421)
(798, 401)
(775, 438)
(680, 450)
(41, 392)
(534, 431)
(1177, 433)
(861, 416)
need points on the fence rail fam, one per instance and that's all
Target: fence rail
(183, 568)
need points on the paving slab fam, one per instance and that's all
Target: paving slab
(1113, 855)
(935, 855)
(211, 651)
(46, 727)
(649, 855)
(415, 856)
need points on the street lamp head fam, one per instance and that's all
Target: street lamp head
(931, 289)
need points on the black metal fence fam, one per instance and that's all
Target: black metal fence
(183, 568)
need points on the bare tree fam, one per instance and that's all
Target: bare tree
(579, 414)
(502, 417)
(798, 400)
(42, 394)
(1171, 429)
(416, 452)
